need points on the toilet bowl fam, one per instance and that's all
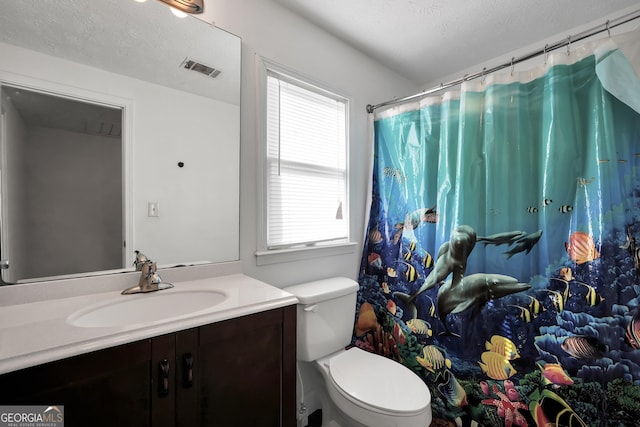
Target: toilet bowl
(373, 391)
(362, 388)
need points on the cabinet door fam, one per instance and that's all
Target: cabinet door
(240, 377)
(187, 366)
(162, 376)
(104, 388)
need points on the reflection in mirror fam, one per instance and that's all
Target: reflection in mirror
(66, 153)
(165, 180)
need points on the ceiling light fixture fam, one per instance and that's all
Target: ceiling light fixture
(186, 6)
(178, 13)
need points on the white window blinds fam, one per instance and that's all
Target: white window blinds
(306, 164)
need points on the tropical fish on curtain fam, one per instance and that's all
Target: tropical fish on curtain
(501, 261)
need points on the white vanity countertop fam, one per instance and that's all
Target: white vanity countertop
(38, 332)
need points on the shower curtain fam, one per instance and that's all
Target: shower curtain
(502, 257)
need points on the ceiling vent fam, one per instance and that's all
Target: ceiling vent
(190, 64)
(100, 128)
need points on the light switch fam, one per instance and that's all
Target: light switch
(153, 209)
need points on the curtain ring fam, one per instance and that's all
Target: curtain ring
(464, 78)
(546, 54)
(608, 29)
(484, 76)
(568, 45)
(512, 58)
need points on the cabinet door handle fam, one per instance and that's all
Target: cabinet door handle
(187, 373)
(163, 378)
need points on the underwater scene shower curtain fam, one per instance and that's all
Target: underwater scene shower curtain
(502, 258)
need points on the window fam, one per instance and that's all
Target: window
(305, 201)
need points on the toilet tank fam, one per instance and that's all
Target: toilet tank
(326, 314)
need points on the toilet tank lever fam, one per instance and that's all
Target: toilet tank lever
(312, 307)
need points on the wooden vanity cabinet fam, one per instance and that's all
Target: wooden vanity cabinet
(104, 388)
(237, 372)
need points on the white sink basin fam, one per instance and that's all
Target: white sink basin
(146, 308)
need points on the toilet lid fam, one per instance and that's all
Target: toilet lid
(379, 382)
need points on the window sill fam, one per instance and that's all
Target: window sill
(297, 254)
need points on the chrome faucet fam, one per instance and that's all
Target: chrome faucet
(150, 280)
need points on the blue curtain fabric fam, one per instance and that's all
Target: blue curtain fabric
(502, 257)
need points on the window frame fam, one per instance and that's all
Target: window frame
(265, 255)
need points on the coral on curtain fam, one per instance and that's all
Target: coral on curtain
(502, 257)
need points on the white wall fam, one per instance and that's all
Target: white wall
(73, 225)
(271, 31)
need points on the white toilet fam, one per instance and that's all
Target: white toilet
(363, 389)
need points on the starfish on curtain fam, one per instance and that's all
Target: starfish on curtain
(508, 409)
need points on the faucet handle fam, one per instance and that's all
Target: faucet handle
(148, 268)
(152, 276)
(148, 276)
(140, 261)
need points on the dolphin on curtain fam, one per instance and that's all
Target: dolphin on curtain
(452, 258)
(460, 293)
(474, 292)
(502, 238)
(525, 243)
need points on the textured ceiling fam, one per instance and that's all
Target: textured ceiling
(425, 40)
(140, 40)
(38, 109)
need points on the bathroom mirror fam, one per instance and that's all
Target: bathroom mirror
(119, 132)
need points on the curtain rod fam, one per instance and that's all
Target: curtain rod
(607, 26)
